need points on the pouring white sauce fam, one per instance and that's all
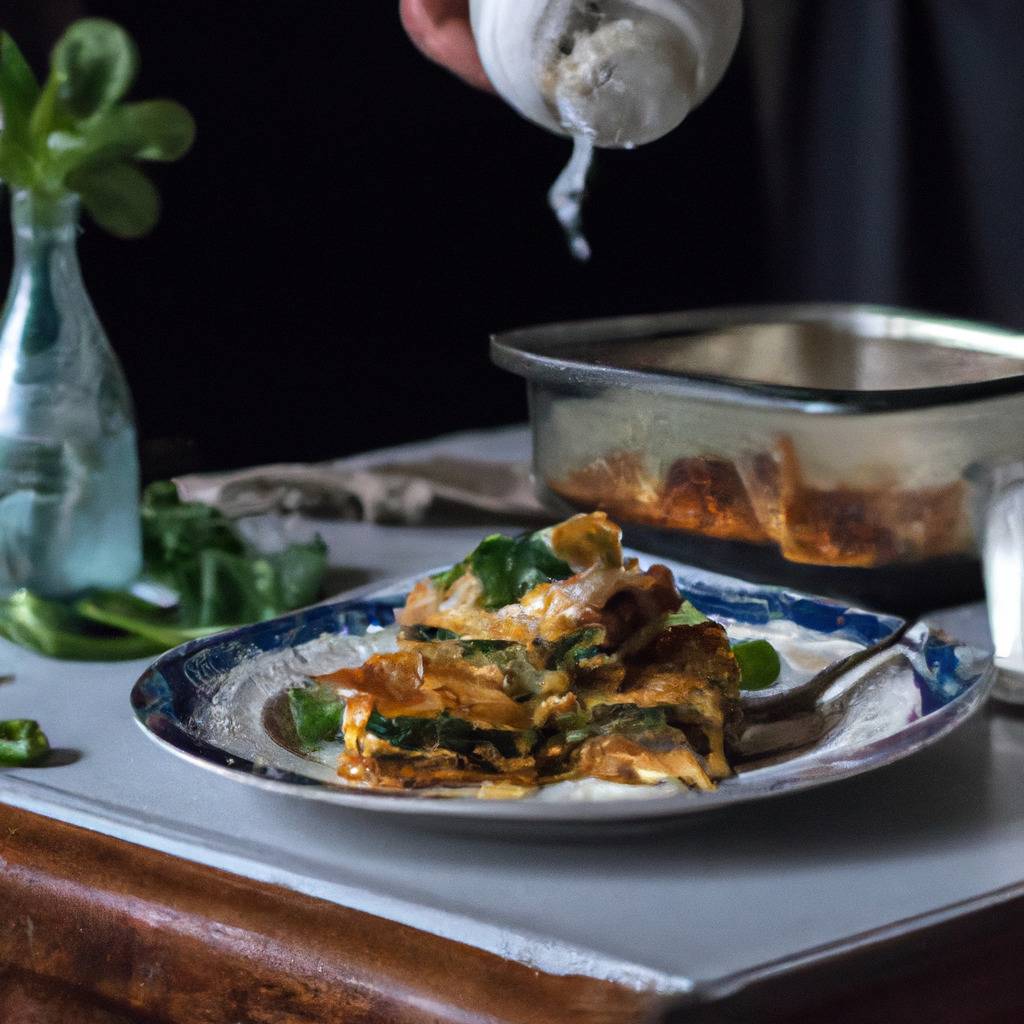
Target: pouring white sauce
(568, 192)
(608, 73)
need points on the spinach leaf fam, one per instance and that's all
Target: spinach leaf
(758, 660)
(575, 647)
(16, 165)
(759, 664)
(130, 614)
(508, 655)
(610, 719)
(48, 115)
(509, 567)
(218, 588)
(175, 532)
(22, 742)
(54, 629)
(119, 197)
(427, 634)
(445, 731)
(443, 580)
(76, 135)
(316, 714)
(687, 615)
(19, 91)
(299, 570)
(94, 63)
(160, 130)
(488, 648)
(196, 551)
(470, 647)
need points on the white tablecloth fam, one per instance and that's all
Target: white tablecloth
(722, 895)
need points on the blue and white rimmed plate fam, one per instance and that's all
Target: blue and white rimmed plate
(858, 690)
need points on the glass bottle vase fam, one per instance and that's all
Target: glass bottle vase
(69, 475)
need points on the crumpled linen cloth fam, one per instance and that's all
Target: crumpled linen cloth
(397, 492)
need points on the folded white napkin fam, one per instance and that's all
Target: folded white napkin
(391, 492)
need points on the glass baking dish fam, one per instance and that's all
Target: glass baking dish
(832, 447)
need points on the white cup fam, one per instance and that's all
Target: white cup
(1001, 529)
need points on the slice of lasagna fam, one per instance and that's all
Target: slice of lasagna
(539, 659)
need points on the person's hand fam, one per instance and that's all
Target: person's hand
(440, 28)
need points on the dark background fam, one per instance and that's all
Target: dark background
(353, 222)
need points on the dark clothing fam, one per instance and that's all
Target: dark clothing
(893, 141)
(353, 221)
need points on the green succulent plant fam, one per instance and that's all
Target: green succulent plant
(76, 134)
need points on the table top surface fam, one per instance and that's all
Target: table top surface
(721, 895)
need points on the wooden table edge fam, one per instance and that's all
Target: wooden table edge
(159, 937)
(964, 968)
(155, 937)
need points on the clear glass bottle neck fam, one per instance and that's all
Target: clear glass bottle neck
(46, 286)
(43, 223)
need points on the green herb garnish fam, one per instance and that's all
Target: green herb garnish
(758, 660)
(427, 634)
(759, 664)
(443, 580)
(575, 647)
(219, 582)
(316, 714)
(444, 731)
(626, 718)
(22, 742)
(53, 628)
(76, 135)
(688, 615)
(487, 649)
(610, 719)
(219, 579)
(123, 611)
(508, 567)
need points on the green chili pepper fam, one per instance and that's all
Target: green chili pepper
(22, 742)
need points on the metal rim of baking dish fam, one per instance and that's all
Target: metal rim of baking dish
(533, 353)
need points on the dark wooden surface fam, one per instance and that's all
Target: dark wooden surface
(131, 932)
(969, 970)
(96, 931)
(30, 999)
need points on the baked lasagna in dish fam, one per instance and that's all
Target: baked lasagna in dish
(537, 659)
